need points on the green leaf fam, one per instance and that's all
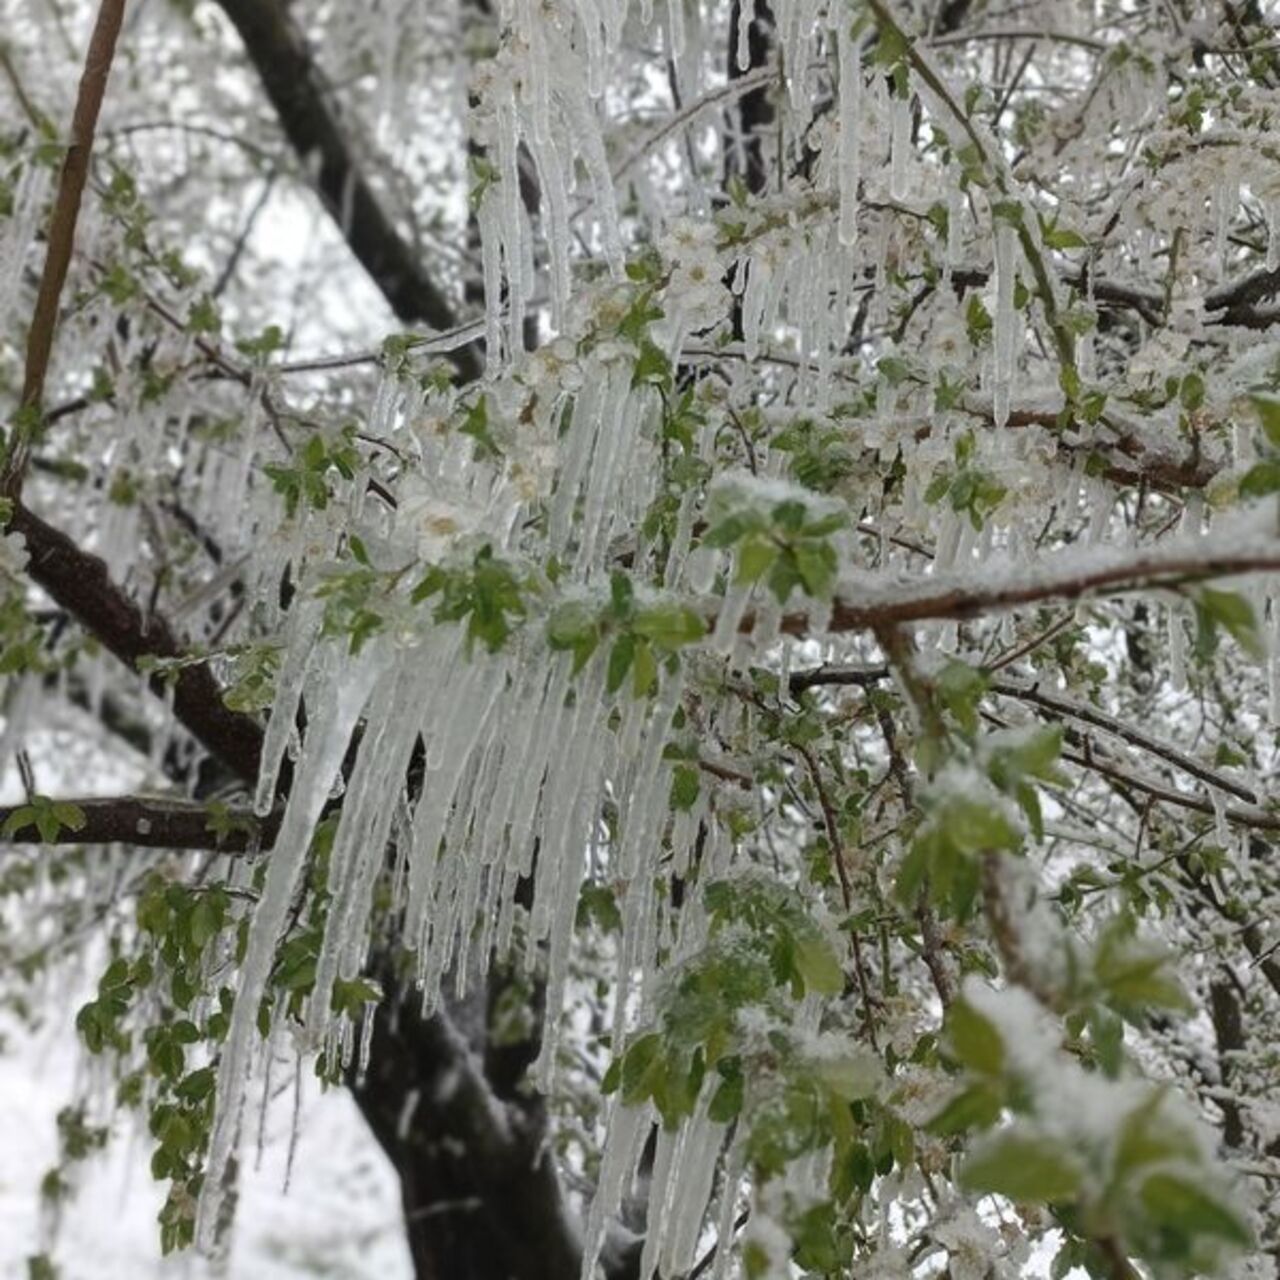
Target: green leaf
(575, 628)
(975, 1107)
(1064, 238)
(1185, 1206)
(621, 657)
(1261, 479)
(644, 669)
(1268, 410)
(685, 784)
(755, 557)
(1024, 1167)
(818, 964)
(1234, 614)
(642, 1068)
(974, 1039)
(852, 1077)
(653, 367)
(670, 626)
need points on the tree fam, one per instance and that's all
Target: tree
(740, 730)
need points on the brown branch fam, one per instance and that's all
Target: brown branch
(81, 584)
(150, 823)
(310, 121)
(958, 597)
(62, 234)
(1006, 934)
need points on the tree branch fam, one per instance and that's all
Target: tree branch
(289, 76)
(957, 596)
(1062, 706)
(146, 822)
(82, 585)
(62, 234)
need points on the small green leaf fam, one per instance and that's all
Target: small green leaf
(685, 784)
(1187, 1208)
(818, 964)
(621, 657)
(1024, 1167)
(1268, 410)
(975, 1107)
(1261, 479)
(974, 1039)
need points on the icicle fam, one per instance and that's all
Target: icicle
(955, 215)
(1006, 321)
(301, 630)
(347, 686)
(850, 53)
(728, 1205)
(1273, 674)
(491, 259)
(661, 1185)
(1100, 500)
(1222, 832)
(357, 855)
(551, 174)
(675, 29)
(746, 15)
(1177, 651)
(899, 147)
(691, 1190)
(628, 1128)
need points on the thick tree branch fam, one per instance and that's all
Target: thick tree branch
(81, 584)
(62, 234)
(146, 822)
(289, 76)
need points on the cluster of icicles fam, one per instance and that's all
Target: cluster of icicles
(520, 757)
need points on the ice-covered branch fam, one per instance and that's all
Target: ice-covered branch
(1058, 704)
(868, 603)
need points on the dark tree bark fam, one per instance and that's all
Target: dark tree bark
(749, 159)
(478, 1184)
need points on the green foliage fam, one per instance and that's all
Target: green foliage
(306, 482)
(764, 949)
(488, 595)
(966, 487)
(47, 816)
(641, 634)
(787, 544)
